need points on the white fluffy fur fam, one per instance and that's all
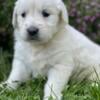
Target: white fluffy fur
(60, 50)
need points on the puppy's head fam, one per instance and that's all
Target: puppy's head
(38, 20)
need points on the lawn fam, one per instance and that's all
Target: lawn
(33, 89)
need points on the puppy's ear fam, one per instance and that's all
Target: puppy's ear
(63, 13)
(14, 17)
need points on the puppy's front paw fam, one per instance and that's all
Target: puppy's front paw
(9, 85)
(3, 85)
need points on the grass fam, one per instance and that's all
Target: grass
(33, 89)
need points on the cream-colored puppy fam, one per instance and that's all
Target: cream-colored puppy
(45, 44)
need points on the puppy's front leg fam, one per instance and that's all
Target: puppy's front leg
(57, 78)
(19, 74)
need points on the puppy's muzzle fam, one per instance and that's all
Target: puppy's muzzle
(33, 33)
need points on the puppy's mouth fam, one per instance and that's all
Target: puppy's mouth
(33, 38)
(36, 38)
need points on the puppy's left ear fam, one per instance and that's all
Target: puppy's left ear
(14, 19)
(63, 12)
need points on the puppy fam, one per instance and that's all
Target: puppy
(46, 45)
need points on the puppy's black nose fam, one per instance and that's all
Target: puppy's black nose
(33, 31)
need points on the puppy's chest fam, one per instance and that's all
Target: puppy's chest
(39, 61)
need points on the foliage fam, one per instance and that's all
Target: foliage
(33, 90)
(85, 16)
(6, 7)
(5, 63)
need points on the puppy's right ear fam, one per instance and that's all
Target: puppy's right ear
(14, 18)
(63, 12)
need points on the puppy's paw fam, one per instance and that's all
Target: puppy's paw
(3, 85)
(9, 85)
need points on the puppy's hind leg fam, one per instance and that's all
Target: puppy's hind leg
(18, 75)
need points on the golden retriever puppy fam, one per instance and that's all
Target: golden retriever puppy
(46, 45)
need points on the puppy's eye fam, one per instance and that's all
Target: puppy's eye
(23, 14)
(45, 13)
